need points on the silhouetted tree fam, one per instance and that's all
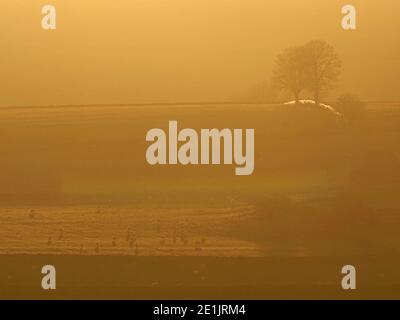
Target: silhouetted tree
(290, 72)
(323, 67)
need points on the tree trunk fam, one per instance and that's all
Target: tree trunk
(296, 97)
(316, 97)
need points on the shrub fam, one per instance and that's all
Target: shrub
(351, 107)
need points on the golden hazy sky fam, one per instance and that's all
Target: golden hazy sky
(122, 51)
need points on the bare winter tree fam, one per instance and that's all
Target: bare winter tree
(290, 73)
(323, 67)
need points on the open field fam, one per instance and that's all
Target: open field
(82, 171)
(123, 230)
(123, 277)
(76, 189)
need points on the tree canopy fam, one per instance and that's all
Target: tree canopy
(313, 67)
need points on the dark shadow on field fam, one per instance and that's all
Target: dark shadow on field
(106, 277)
(334, 186)
(361, 222)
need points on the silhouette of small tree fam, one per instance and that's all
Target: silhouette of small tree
(290, 72)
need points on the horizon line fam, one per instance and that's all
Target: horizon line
(145, 104)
